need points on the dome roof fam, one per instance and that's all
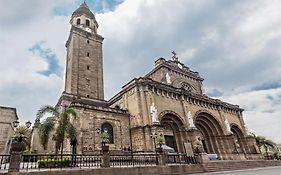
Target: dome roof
(83, 10)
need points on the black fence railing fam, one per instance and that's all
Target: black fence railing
(68, 161)
(43, 161)
(133, 160)
(4, 162)
(181, 159)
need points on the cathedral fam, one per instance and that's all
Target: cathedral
(167, 102)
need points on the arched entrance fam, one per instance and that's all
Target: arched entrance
(173, 131)
(237, 136)
(211, 133)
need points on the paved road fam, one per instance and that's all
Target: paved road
(258, 171)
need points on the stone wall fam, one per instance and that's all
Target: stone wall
(84, 69)
(154, 170)
(89, 123)
(7, 117)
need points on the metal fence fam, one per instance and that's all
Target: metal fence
(181, 159)
(4, 162)
(69, 161)
(43, 161)
(133, 160)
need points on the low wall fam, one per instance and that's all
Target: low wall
(153, 170)
(212, 166)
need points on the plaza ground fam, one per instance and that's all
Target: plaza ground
(255, 171)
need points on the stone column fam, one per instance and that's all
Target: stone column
(15, 160)
(105, 160)
(162, 158)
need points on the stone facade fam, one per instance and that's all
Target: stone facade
(168, 102)
(84, 75)
(7, 117)
(92, 114)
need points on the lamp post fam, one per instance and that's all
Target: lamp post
(16, 123)
(28, 124)
(154, 137)
(131, 143)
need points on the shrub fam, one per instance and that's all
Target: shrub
(54, 163)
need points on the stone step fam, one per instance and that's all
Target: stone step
(228, 165)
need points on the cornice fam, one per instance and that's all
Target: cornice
(168, 64)
(79, 31)
(152, 85)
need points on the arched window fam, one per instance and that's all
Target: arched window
(87, 22)
(78, 21)
(186, 86)
(106, 127)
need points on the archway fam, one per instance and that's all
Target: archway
(211, 133)
(107, 127)
(172, 131)
(237, 139)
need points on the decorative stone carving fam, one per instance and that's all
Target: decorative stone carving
(153, 113)
(174, 57)
(247, 130)
(190, 120)
(168, 78)
(228, 129)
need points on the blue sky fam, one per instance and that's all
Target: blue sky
(50, 58)
(234, 45)
(97, 6)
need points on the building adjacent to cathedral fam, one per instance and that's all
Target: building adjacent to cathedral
(168, 101)
(8, 116)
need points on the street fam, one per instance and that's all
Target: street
(258, 171)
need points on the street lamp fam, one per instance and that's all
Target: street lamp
(16, 123)
(28, 124)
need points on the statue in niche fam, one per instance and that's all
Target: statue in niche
(190, 120)
(247, 130)
(153, 113)
(168, 78)
(227, 125)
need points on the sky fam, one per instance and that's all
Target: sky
(234, 45)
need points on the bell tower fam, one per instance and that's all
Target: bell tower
(84, 65)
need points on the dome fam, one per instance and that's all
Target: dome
(83, 10)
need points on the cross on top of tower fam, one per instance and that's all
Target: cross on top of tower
(84, 3)
(174, 57)
(83, 9)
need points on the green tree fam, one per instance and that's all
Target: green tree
(64, 127)
(104, 138)
(23, 134)
(265, 143)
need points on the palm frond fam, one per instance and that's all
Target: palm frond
(72, 112)
(46, 109)
(270, 143)
(22, 134)
(72, 134)
(44, 131)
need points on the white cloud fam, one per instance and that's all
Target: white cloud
(187, 54)
(235, 46)
(262, 111)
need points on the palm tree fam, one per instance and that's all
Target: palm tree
(45, 130)
(64, 126)
(264, 142)
(23, 134)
